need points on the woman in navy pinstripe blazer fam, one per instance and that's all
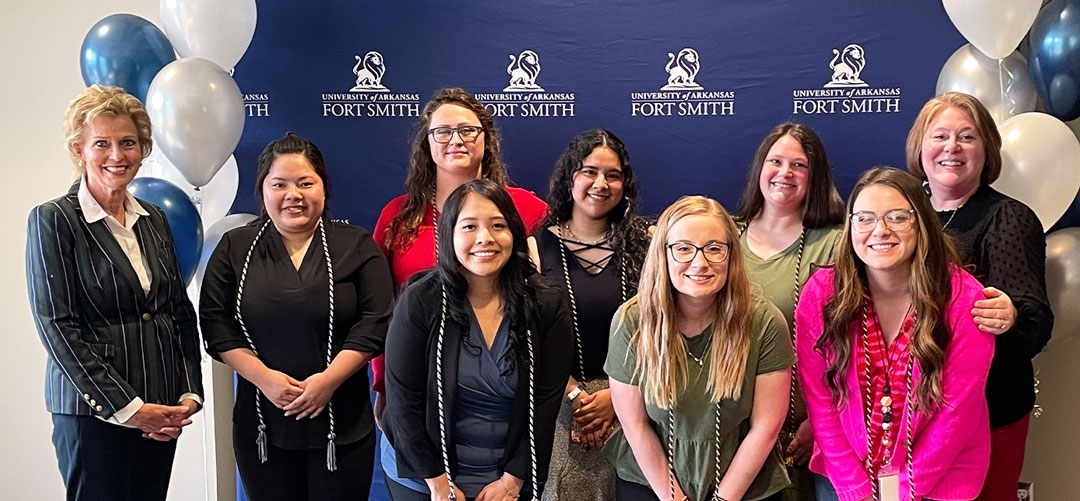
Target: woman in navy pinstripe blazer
(123, 375)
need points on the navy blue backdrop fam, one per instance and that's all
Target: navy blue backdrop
(601, 64)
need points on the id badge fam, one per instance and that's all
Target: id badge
(889, 487)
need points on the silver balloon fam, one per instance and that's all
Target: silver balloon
(198, 116)
(1004, 86)
(1063, 280)
(212, 236)
(218, 30)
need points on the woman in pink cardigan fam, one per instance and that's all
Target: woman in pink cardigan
(893, 366)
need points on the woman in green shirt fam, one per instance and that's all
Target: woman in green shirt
(699, 369)
(789, 218)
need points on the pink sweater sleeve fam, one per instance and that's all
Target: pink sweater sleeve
(960, 425)
(843, 466)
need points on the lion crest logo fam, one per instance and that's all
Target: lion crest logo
(523, 71)
(682, 69)
(369, 71)
(846, 66)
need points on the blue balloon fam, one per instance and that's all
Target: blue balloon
(124, 51)
(184, 219)
(1055, 58)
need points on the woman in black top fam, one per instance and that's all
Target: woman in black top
(302, 425)
(955, 146)
(592, 247)
(476, 359)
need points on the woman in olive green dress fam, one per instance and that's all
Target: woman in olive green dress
(699, 369)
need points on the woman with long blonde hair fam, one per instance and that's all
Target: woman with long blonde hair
(699, 368)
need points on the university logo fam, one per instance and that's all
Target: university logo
(369, 98)
(523, 97)
(369, 71)
(682, 69)
(523, 71)
(682, 96)
(847, 66)
(846, 92)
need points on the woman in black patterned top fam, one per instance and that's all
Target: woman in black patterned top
(955, 146)
(593, 245)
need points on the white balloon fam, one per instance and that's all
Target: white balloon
(218, 30)
(1004, 86)
(214, 200)
(212, 236)
(198, 116)
(1063, 280)
(995, 27)
(1040, 164)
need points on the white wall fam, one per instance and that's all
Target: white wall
(39, 50)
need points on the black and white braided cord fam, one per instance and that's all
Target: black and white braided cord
(261, 441)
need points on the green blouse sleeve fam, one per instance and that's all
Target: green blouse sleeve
(619, 364)
(776, 352)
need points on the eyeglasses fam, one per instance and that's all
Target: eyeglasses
(685, 252)
(895, 220)
(467, 133)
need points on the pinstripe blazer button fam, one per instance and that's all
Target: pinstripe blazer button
(92, 402)
(86, 396)
(146, 316)
(99, 408)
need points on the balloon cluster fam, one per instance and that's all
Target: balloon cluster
(195, 106)
(1040, 153)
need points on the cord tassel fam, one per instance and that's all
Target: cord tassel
(260, 443)
(331, 454)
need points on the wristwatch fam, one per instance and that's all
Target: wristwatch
(573, 394)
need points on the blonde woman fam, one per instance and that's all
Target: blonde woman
(699, 369)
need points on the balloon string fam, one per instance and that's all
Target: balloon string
(1004, 85)
(196, 198)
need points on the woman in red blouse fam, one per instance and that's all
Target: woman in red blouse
(455, 142)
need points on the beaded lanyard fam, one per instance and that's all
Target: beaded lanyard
(868, 409)
(790, 424)
(573, 301)
(261, 440)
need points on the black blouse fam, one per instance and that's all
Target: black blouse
(286, 312)
(1004, 240)
(596, 297)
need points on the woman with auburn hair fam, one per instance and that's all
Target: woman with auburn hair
(477, 357)
(891, 361)
(699, 369)
(455, 142)
(954, 146)
(592, 246)
(789, 219)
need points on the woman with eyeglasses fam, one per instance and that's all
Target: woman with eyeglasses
(476, 358)
(592, 246)
(892, 364)
(789, 219)
(455, 142)
(699, 369)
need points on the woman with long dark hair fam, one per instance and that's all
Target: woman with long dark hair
(893, 366)
(592, 246)
(456, 141)
(477, 358)
(789, 219)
